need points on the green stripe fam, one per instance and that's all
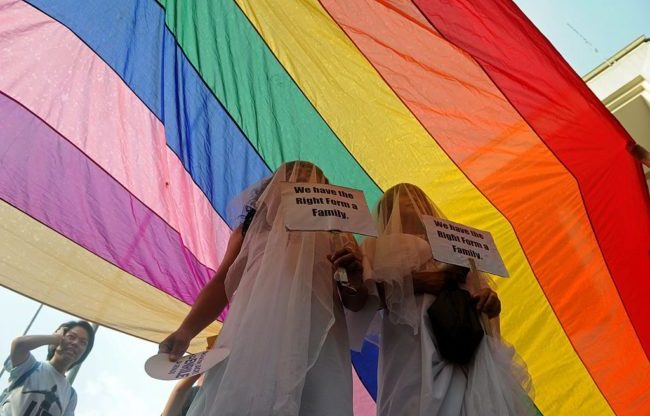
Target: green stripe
(258, 93)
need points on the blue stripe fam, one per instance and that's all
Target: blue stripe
(131, 37)
(366, 363)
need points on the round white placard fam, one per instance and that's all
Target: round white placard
(161, 368)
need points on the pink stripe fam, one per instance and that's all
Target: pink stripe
(363, 403)
(62, 81)
(45, 176)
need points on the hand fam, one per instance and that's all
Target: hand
(57, 338)
(350, 260)
(487, 302)
(60, 334)
(175, 344)
(353, 294)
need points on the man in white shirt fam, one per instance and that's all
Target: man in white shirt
(41, 388)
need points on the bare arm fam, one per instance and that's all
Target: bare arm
(21, 346)
(179, 395)
(208, 305)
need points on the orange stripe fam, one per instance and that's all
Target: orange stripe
(472, 121)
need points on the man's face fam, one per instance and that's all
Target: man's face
(410, 215)
(406, 206)
(73, 344)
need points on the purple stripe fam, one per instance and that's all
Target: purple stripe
(48, 178)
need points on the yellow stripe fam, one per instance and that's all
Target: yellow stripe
(40, 263)
(393, 147)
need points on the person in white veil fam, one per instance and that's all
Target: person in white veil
(285, 329)
(413, 377)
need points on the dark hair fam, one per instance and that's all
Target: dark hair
(66, 326)
(249, 209)
(248, 218)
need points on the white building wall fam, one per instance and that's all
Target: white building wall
(622, 83)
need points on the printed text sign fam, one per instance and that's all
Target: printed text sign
(161, 368)
(456, 243)
(320, 207)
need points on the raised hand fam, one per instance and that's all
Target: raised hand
(487, 302)
(175, 344)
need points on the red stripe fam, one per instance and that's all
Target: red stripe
(574, 125)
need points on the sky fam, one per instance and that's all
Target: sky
(112, 381)
(603, 27)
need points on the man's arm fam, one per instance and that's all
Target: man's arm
(21, 346)
(208, 305)
(179, 395)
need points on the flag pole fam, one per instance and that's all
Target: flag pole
(29, 325)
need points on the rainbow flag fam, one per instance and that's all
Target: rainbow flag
(126, 126)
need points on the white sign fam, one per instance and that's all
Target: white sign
(320, 207)
(457, 243)
(161, 368)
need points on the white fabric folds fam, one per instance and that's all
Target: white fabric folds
(286, 327)
(413, 378)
